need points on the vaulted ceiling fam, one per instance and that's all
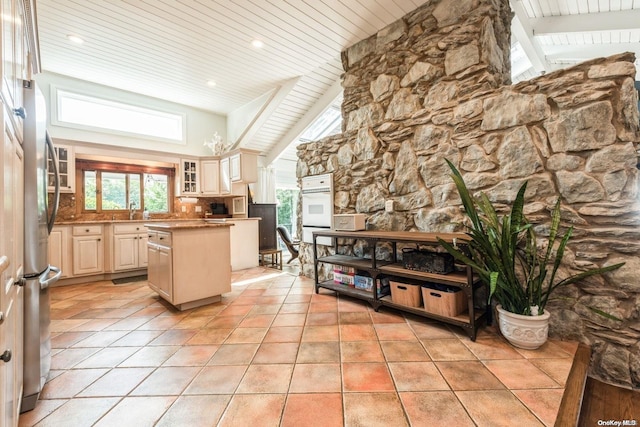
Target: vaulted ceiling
(170, 49)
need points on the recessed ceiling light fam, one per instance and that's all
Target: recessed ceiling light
(75, 39)
(256, 43)
(211, 83)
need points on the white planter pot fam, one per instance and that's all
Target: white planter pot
(528, 332)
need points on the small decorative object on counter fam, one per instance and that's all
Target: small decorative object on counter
(428, 261)
(145, 214)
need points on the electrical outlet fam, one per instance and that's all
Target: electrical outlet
(198, 208)
(184, 209)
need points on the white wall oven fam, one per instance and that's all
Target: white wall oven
(317, 206)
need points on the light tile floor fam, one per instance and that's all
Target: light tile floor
(275, 353)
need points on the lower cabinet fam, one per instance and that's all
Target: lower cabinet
(88, 250)
(160, 270)
(129, 247)
(59, 250)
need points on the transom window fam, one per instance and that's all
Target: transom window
(118, 187)
(103, 115)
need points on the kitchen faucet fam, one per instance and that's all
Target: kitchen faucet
(132, 211)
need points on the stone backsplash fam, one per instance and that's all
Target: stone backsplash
(69, 211)
(434, 86)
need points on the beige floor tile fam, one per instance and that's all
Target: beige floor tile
(394, 332)
(373, 410)
(496, 408)
(70, 383)
(195, 411)
(270, 353)
(217, 380)
(150, 356)
(434, 408)
(417, 376)
(136, 411)
(520, 374)
(234, 354)
(192, 355)
(284, 334)
(107, 357)
(404, 351)
(79, 412)
(266, 379)
(447, 349)
(166, 381)
(116, 382)
(558, 369)
(469, 375)
(319, 352)
(543, 403)
(320, 333)
(253, 410)
(316, 378)
(361, 351)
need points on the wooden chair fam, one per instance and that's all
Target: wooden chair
(292, 245)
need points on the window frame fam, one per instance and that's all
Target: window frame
(112, 167)
(59, 93)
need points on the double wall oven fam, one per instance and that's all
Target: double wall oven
(317, 206)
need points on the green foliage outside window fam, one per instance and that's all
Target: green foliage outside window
(120, 191)
(287, 207)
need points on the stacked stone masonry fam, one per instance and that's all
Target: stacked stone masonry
(434, 86)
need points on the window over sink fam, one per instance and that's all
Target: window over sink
(112, 187)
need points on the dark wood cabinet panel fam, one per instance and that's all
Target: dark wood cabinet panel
(268, 224)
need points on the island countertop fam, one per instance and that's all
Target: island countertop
(181, 225)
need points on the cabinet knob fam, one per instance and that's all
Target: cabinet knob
(99, 240)
(6, 356)
(87, 230)
(162, 238)
(137, 228)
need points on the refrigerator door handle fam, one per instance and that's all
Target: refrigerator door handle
(56, 195)
(45, 280)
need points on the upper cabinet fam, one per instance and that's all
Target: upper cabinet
(66, 170)
(189, 177)
(14, 60)
(210, 177)
(243, 166)
(217, 176)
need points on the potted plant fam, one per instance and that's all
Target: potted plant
(505, 253)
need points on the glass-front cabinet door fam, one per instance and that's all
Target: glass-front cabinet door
(66, 169)
(189, 179)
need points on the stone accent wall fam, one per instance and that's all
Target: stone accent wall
(433, 86)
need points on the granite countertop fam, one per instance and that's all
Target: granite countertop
(157, 220)
(181, 225)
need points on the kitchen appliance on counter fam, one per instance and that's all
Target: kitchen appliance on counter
(317, 206)
(38, 222)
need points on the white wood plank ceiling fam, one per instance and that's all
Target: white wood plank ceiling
(169, 49)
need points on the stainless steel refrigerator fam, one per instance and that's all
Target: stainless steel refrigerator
(39, 216)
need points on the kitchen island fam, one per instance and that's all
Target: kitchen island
(189, 261)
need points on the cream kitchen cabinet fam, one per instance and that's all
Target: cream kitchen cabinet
(59, 250)
(225, 178)
(189, 262)
(88, 249)
(243, 166)
(210, 177)
(129, 246)
(66, 168)
(189, 182)
(160, 269)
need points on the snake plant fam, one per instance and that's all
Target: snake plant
(504, 253)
